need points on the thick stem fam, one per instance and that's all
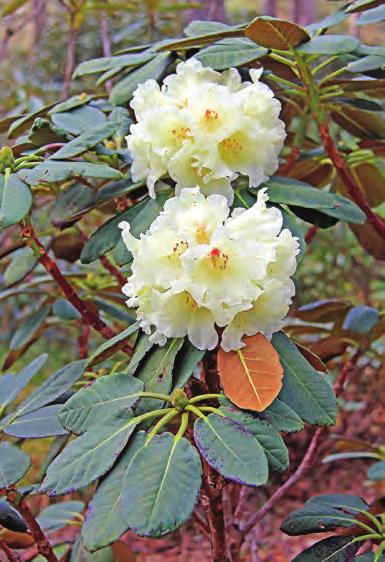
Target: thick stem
(212, 502)
(83, 340)
(12, 556)
(51, 267)
(113, 270)
(311, 233)
(43, 545)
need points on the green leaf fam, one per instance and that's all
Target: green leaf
(123, 90)
(112, 63)
(52, 171)
(156, 372)
(361, 319)
(372, 16)
(64, 310)
(52, 388)
(186, 361)
(29, 327)
(274, 33)
(20, 126)
(11, 385)
(161, 486)
(268, 437)
(330, 21)
(282, 417)
(369, 557)
(332, 549)
(86, 140)
(10, 518)
(231, 450)
(330, 45)
(15, 200)
(105, 523)
(294, 192)
(142, 347)
(22, 262)
(290, 222)
(71, 103)
(304, 389)
(60, 515)
(198, 28)
(370, 62)
(89, 456)
(89, 406)
(14, 463)
(41, 423)
(108, 235)
(71, 201)
(113, 345)
(229, 53)
(377, 471)
(78, 120)
(324, 513)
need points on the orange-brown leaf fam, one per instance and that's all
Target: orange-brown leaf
(252, 376)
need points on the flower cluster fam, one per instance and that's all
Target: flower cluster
(204, 128)
(199, 268)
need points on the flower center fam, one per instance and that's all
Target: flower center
(218, 259)
(180, 248)
(181, 133)
(211, 118)
(202, 235)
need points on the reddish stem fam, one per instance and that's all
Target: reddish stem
(291, 160)
(83, 341)
(12, 556)
(89, 316)
(113, 270)
(311, 233)
(349, 181)
(43, 545)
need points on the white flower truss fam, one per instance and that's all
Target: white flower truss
(205, 128)
(197, 268)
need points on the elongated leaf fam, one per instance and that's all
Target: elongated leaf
(324, 513)
(142, 347)
(361, 319)
(108, 235)
(282, 417)
(70, 103)
(186, 361)
(88, 407)
(372, 16)
(41, 423)
(332, 549)
(377, 471)
(251, 376)
(12, 385)
(53, 387)
(89, 456)
(161, 486)
(112, 63)
(10, 518)
(323, 311)
(111, 346)
(55, 171)
(156, 372)
(104, 522)
(14, 463)
(330, 45)
(304, 389)
(231, 450)
(362, 5)
(22, 263)
(274, 33)
(60, 515)
(15, 200)
(29, 327)
(86, 140)
(123, 90)
(300, 194)
(268, 437)
(79, 119)
(230, 53)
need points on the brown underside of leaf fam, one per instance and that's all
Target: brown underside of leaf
(275, 33)
(252, 376)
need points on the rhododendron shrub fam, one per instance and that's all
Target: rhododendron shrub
(162, 227)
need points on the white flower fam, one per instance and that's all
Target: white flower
(205, 128)
(197, 268)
